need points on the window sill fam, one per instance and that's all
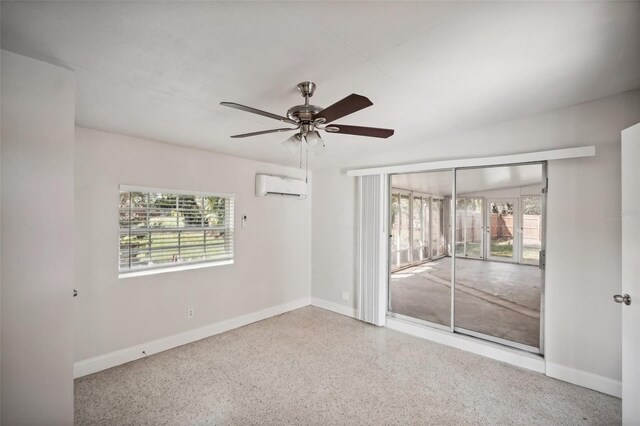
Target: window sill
(174, 268)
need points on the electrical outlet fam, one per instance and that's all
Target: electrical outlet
(345, 295)
(190, 313)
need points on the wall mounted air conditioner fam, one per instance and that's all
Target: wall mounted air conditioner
(280, 185)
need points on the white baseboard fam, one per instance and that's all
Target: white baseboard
(112, 359)
(585, 379)
(480, 347)
(334, 307)
(510, 356)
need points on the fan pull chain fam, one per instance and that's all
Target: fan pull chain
(300, 153)
(306, 169)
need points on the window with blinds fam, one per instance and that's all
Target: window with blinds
(170, 229)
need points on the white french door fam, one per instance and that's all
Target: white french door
(469, 227)
(531, 229)
(503, 228)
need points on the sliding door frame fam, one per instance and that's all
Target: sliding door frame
(451, 249)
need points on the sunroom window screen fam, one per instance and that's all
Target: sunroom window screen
(163, 229)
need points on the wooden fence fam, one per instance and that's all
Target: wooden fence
(532, 229)
(501, 227)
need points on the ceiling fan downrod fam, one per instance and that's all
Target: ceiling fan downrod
(306, 89)
(304, 114)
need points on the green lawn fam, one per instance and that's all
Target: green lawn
(499, 249)
(502, 248)
(473, 249)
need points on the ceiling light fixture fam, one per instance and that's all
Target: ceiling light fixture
(315, 144)
(293, 143)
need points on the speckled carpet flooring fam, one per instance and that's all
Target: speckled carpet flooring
(312, 366)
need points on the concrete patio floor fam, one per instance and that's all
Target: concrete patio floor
(493, 298)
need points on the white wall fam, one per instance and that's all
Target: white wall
(333, 265)
(37, 241)
(583, 266)
(272, 255)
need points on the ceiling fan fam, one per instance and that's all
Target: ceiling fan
(308, 119)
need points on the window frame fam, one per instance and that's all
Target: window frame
(185, 266)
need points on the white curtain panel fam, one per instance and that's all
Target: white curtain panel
(372, 241)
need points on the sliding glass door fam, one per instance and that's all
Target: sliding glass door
(474, 253)
(419, 287)
(497, 298)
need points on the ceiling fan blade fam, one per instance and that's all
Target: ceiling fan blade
(360, 131)
(346, 106)
(263, 132)
(259, 112)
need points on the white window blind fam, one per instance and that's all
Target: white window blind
(166, 229)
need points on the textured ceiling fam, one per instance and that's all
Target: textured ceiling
(159, 70)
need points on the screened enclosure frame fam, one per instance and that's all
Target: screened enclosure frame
(451, 249)
(425, 226)
(397, 251)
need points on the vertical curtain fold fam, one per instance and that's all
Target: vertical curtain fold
(372, 243)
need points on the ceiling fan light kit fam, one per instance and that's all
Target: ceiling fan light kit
(292, 143)
(308, 119)
(315, 144)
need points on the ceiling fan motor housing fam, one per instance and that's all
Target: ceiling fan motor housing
(303, 113)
